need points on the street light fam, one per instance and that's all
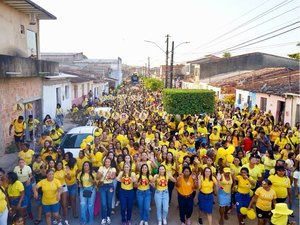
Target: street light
(172, 60)
(167, 57)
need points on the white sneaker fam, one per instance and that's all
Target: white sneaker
(142, 222)
(159, 223)
(103, 222)
(117, 203)
(146, 223)
(55, 222)
(66, 222)
(60, 223)
(108, 220)
(165, 222)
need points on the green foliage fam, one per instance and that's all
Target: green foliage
(226, 55)
(295, 56)
(188, 101)
(152, 84)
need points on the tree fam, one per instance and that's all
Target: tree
(295, 56)
(226, 55)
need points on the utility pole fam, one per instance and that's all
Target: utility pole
(167, 59)
(148, 66)
(172, 61)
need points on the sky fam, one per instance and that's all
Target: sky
(107, 29)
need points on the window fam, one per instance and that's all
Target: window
(263, 104)
(67, 92)
(31, 43)
(249, 102)
(240, 99)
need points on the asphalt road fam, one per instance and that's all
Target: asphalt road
(173, 216)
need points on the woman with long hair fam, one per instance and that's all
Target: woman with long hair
(143, 193)
(161, 195)
(52, 189)
(207, 189)
(87, 192)
(126, 178)
(106, 175)
(61, 175)
(170, 165)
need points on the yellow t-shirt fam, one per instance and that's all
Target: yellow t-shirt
(97, 159)
(173, 151)
(169, 167)
(49, 189)
(72, 173)
(36, 167)
(278, 219)
(280, 185)
(202, 131)
(86, 180)
(3, 203)
(264, 200)
(27, 156)
(18, 127)
(207, 186)
(80, 162)
(284, 154)
(15, 189)
(255, 173)
(236, 169)
(269, 163)
(144, 182)
(244, 185)
(226, 184)
(126, 181)
(162, 183)
(214, 138)
(60, 175)
(186, 188)
(281, 143)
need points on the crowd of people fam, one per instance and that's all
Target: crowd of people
(236, 159)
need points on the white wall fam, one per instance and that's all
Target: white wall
(50, 101)
(244, 98)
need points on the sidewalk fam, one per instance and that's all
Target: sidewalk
(9, 161)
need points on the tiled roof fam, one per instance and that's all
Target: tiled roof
(268, 80)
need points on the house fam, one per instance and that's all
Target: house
(56, 90)
(21, 70)
(275, 90)
(80, 87)
(211, 67)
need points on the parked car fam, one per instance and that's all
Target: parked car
(72, 140)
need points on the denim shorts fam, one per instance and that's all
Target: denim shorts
(73, 189)
(51, 208)
(15, 201)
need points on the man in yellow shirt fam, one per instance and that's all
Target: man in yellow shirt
(19, 126)
(32, 126)
(293, 140)
(26, 153)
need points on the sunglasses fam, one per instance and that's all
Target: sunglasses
(20, 171)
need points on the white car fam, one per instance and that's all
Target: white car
(72, 140)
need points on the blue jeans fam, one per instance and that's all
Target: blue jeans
(162, 204)
(126, 200)
(144, 199)
(60, 120)
(28, 193)
(87, 205)
(106, 195)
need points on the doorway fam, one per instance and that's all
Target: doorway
(280, 111)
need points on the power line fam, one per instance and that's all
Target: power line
(283, 3)
(275, 17)
(233, 48)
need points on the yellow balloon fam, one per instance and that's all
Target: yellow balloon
(221, 151)
(84, 140)
(83, 145)
(97, 134)
(89, 139)
(229, 158)
(251, 214)
(230, 149)
(243, 210)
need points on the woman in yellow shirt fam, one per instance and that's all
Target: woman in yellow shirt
(87, 181)
(208, 187)
(61, 174)
(281, 141)
(242, 195)
(161, 196)
(143, 193)
(4, 204)
(71, 169)
(16, 194)
(52, 190)
(127, 178)
(186, 184)
(265, 199)
(224, 193)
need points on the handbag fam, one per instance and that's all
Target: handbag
(87, 193)
(100, 183)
